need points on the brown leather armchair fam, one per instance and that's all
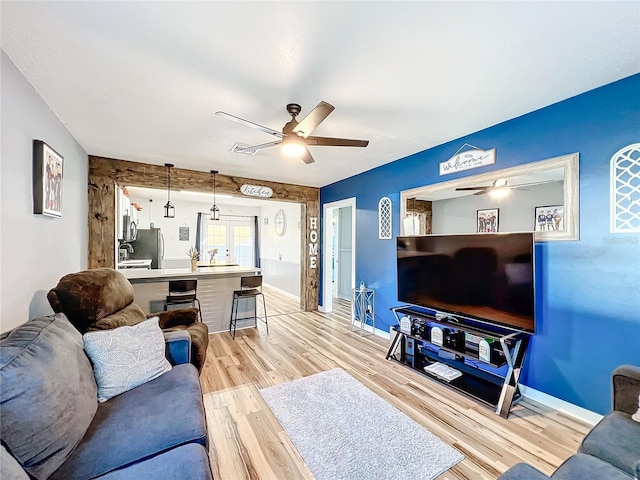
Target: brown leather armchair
(102, 299)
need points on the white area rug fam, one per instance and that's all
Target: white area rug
(345, 431)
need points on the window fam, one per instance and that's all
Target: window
(233, 239)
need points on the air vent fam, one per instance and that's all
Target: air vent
(242, 148)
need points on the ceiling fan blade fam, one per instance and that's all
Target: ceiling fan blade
(233, 118)
(259, 147)
(472, 188)
(306, 156)
(315, 118)
(482, 192)
(336, 142)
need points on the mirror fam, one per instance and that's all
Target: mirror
(539, 196)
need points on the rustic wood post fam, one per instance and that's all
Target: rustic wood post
(107, 173)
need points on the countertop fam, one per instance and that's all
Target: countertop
(143, 263)
(136, 275)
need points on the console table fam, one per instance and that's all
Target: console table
(492, 381)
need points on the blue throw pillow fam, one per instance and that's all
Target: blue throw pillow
(48, 393)
(126, 357)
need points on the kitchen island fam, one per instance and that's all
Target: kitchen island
(215, 291)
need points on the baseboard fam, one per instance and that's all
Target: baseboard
(283, 292)
(377, 332)
(560, 405)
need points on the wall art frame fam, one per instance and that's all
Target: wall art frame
(48, 168)
(487, 220)
(549, 218)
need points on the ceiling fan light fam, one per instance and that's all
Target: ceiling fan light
(293, 149)
(500, 183)
(499, 192)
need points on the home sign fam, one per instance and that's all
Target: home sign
(467, 160)
(256, 190)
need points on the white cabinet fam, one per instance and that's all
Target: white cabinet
(123, 208)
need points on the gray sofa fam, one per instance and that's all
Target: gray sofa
(54, 428)
(611, 450)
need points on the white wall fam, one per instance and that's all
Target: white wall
(35, 251)
(517, 210)
(280, 255)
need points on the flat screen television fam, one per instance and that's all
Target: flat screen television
(487, 277)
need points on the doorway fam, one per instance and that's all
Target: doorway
(339, 251)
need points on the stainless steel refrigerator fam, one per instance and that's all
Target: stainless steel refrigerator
(149, 243)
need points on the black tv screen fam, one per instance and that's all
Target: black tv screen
(489, 277)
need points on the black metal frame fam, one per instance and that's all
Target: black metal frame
(248, 289)
(183, 291)
(514, 346)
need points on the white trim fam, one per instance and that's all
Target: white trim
(274, 259)
(283, 292)
(327, 297)
(560, 405)
(368, 328)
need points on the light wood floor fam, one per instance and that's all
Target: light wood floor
(248, 443)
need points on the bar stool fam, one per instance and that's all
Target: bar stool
(181, 292)
(250, 287)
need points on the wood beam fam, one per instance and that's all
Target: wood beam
(105, 174)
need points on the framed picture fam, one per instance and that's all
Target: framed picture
(549, 219)
(47, 180)
(487, 220)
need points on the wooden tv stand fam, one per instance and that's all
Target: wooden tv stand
(493, 383)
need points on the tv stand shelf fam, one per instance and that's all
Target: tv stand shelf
(494, 383)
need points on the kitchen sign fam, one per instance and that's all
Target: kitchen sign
(256, 191)
(467, 160)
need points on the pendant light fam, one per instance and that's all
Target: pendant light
(214, 212)
(169, 209)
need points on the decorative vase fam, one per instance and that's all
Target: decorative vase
(194, 265)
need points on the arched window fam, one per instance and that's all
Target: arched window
(384, 218)
(625, 190)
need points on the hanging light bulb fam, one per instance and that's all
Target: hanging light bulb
(169, 209)
(293, 146)
(214, 212)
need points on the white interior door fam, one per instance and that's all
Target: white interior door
(345, 281)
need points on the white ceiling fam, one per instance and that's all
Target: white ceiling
(142, 80)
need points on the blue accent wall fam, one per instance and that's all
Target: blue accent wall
(588, 291)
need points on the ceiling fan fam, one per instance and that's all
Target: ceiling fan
(501, 184)
(296, 136)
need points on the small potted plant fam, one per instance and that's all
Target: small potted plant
(212, 255)
(193, 255)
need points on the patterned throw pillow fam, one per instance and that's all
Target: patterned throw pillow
(126, 357)
(636, 416)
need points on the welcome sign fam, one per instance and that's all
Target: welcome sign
(467, 160)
